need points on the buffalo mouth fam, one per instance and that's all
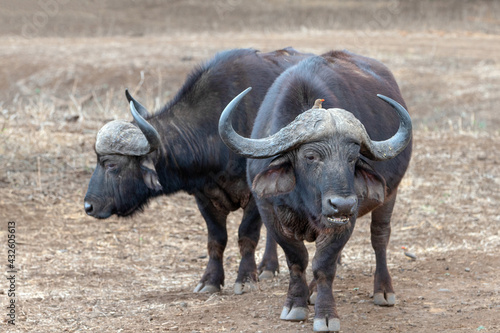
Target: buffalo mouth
(333, 221)
(129, 212)
(102, 215)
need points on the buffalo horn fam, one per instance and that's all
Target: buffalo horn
(390, 148)
(287, 138)
(138, 106)
(313, 125)
(149, 131)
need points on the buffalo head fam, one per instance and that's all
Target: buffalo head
(320, 159)
(125, 177)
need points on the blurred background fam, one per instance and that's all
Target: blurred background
(136, 18)
(64, 66)
(65, 50)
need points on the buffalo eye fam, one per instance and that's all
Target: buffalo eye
(311, 157)
(110, 166)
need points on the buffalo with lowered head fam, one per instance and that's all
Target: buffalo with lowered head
(179, 149)
(314, 172)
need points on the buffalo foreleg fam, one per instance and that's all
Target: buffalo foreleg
(213, 278)
(383, 292)
(324, 267)
(313, 289)
(295, 307)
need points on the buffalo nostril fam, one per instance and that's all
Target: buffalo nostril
(333, 205)
(88, 208)
(342, 206)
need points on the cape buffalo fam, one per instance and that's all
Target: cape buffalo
(314, 172)
(178, 149)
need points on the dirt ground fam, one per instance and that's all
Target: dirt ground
(63, 72)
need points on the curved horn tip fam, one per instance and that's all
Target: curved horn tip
(404, 116)
(232, 105)
(136, 114)
(240, 96)
(388, 100)
(138, 106)
(226, 130)
(149, 131)
(390, 148)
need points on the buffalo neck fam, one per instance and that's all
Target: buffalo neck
(191, 149)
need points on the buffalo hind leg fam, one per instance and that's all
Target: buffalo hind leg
(213, 278)
(383, 292)
(248, 237)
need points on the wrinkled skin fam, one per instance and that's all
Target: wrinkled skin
(193, 159)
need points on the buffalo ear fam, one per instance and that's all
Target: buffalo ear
(278, 178)
(368, 184)
(150, 176)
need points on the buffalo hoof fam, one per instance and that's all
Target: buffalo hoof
(326, 325)
(296, 314)
(206, 288)
(388, 299)
(266, 275)
(312, 298)
(240, 288)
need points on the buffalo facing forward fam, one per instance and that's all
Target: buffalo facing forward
(314, 172)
